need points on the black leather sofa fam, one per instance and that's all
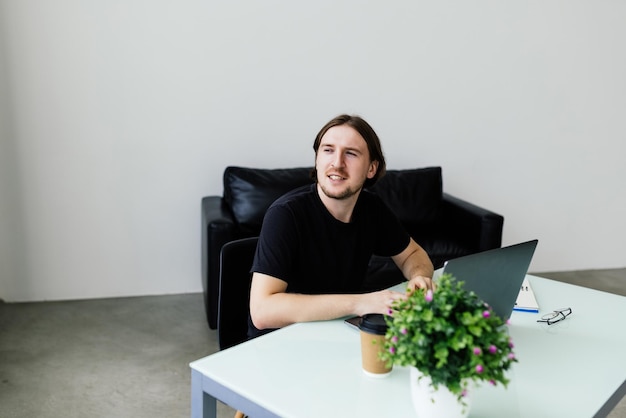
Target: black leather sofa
(445, 226)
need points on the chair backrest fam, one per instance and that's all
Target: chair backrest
(234, 291)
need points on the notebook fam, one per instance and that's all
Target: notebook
(496, 276)
(526, 301)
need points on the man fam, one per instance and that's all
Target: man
(316, 241)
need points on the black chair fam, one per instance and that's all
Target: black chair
(234, 291)
(234, 294)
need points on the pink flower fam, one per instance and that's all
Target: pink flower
(392, 350)
(477, 351)
(511, 344)
(464, 393)
(493, 382)
(511, 356)
(486, 314)
(429, 296)
(404, 331)
(493, 349)
(479, 368)
(394, 339)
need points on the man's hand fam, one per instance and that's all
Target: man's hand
(421, 282)
(380, 302)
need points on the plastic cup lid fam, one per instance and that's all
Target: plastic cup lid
(374, 324)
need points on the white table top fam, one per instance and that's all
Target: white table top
(576, 368)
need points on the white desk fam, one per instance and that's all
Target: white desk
(576, 368)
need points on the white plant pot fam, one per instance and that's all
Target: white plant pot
(431, 403)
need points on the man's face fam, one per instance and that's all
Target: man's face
(343, 162)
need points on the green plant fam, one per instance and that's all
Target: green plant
(450, 335)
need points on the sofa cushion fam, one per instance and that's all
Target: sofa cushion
(414, 195)
(249, 192)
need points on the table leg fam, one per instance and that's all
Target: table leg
(203, 405)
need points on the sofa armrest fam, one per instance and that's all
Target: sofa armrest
(478, 228)
(218, 228)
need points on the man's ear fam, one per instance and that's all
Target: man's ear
(373, 169)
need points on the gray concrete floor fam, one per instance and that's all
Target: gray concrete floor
(129, 357)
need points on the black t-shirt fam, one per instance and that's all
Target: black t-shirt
(302, 244)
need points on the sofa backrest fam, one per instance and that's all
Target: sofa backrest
(414, 195)
(249, 192)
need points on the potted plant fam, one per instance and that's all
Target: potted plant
(450, 338)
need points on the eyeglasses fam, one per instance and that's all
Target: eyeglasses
(556, 316)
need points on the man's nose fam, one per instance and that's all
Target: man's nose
(338, 160)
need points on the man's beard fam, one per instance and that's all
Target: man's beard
(341, 195)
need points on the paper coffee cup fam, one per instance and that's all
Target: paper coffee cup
(373, 329)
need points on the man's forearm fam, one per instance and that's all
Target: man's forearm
(414, 261)
(281, 309)
(419, 265)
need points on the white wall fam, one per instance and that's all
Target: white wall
(123, 114)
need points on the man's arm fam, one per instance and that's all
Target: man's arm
(415, 266)
(272, 307)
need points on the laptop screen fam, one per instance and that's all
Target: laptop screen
(496, 275)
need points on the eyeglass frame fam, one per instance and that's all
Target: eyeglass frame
(555, 316)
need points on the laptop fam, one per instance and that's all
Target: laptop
(496, 275)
